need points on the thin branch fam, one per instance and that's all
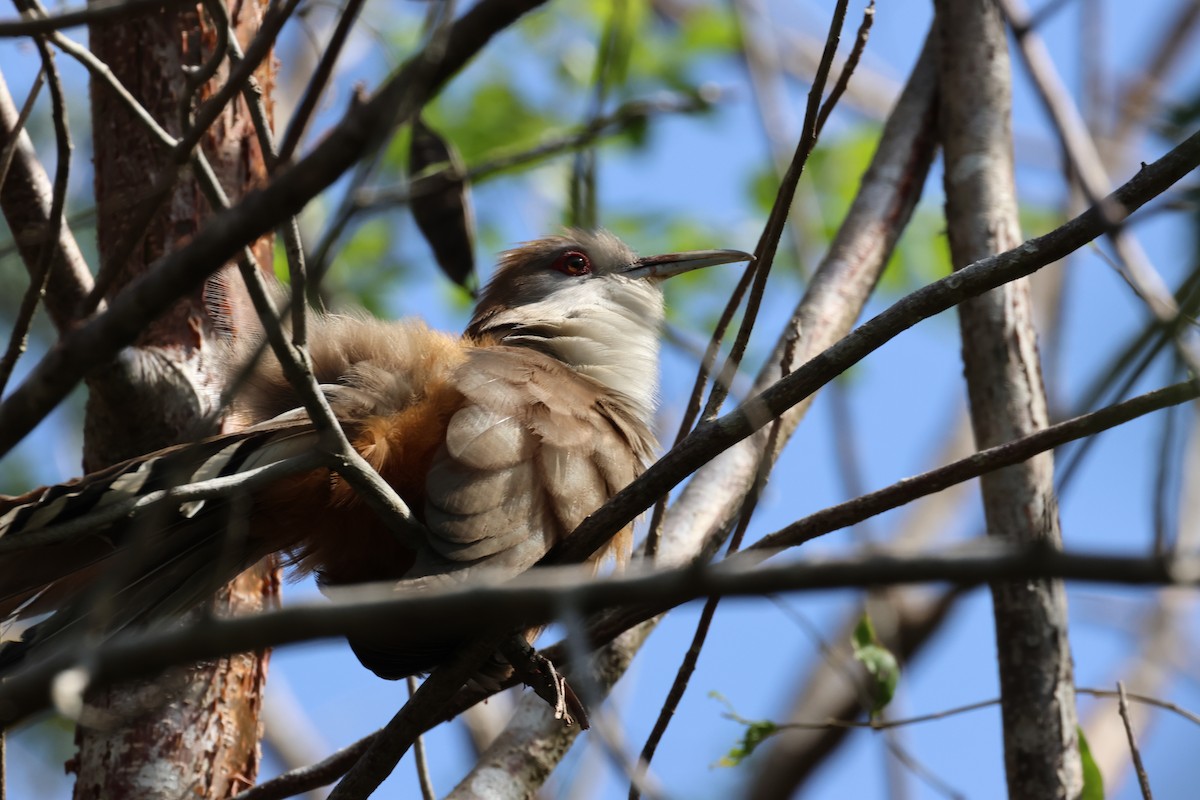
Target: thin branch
(874, 724)
(252, 93)
(768, 243)
(14, 134)
(39, 278)
(581, 208)
(194, 77)
(625, 115)
(537, 597)
(420, 757)
(305, 779)
(848, 68)
(692, 657)
(1145, 700)
(1138, 99)
(592, 694)
(27, 197)
(391, 742)
(316, 84)
(1139, 768)
(993, 458)
(674, 696)
(1087, 168)
(1168, 455)
(877, 724)
(99, 11)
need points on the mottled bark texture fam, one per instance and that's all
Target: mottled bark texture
(1007, 400)
(194, 733)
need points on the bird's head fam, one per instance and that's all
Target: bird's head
(587, 299)
(555, 278)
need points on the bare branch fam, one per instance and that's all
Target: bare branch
(420, 757)
(1143, 778)
(985, 461)
(316, 84)
(1087, 168)
(626, 114)
(27, 199)
(39, 277)
(13, 135)
(100, 11)
(538, 596)
(304, 779)
(815, 117)
(394, 739)
(1164, 54)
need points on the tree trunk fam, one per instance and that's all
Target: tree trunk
(193, 733)
(1007, 401)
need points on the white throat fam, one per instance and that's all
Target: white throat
(606, 329)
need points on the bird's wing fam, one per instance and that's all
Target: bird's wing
(534, 448)
(530, 450)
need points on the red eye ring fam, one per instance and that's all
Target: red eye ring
(573, 262)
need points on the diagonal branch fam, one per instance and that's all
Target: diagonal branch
(26, 197)
(39, 277)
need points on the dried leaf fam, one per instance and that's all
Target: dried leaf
(441, 203)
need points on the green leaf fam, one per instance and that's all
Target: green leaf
(921, 256)
(1093, 781)
(488, 116)
(279, 262)
(763, 185)
(709, 29)
(757, 731)
(879, 662)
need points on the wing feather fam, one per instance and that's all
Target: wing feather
(535, 448)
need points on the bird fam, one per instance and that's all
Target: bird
(501, 441)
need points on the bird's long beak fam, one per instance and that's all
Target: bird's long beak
(670, 264)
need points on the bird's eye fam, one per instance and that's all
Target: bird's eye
(573, 262)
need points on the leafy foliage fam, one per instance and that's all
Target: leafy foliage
(879, 662)
(757, 731)
(1093, 781)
